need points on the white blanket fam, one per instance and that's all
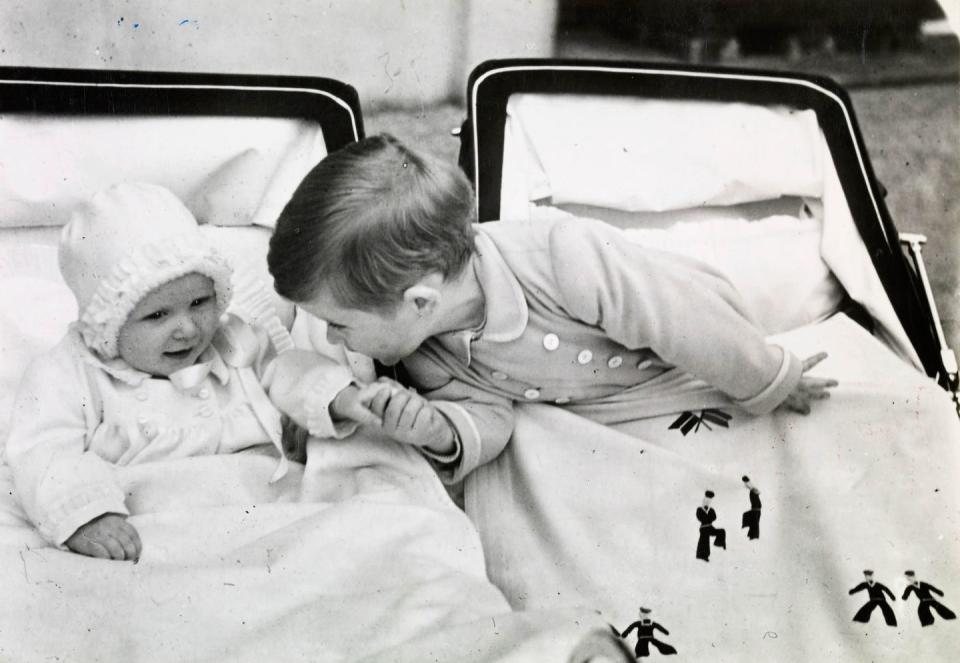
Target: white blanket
(359, 556)
(576, 513)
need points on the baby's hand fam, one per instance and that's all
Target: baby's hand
(409, 418)
(109, 536)
(352, 403)
(809, 388)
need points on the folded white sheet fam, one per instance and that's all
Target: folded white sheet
(578, 513)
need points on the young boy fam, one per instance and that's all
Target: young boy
(380, 242)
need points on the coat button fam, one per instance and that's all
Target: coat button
(204, 393)
(615, 361)
(585, 357)
(562, 400)
(551, 342)
(499, 375)
(644, 365)
(531, 394)
(143, 421)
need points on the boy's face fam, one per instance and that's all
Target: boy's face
(385, 336)
(171, 326)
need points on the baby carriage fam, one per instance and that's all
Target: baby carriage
(357, 555)
(765, 177)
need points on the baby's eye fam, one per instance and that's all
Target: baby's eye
(201, 301)
(156, 315)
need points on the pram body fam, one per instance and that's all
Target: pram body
(357, 555)
(702, 162)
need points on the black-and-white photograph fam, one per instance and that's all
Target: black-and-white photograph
(479, 331)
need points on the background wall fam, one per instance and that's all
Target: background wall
(395, 52)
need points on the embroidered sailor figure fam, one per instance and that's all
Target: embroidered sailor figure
(707, 515)
(645, 628)
(923, 591)
(876, 591)
(751, 518)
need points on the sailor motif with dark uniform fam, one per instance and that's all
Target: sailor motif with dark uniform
(706, 515)
(923, 591)
(751, 518)
(875, 591)
(645, 627)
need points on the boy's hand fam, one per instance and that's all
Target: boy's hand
(409, 418)
(351, 403)
(809, 388)
(109, 536)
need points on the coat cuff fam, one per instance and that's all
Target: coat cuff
(69, 517)
(791, 369)
(448, 458)
(467, 438)
(320, 394)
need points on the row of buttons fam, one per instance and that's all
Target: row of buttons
(614, 362)
(551, 342)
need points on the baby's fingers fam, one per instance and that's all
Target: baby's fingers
(113, 546)
(84, 545)
(129, 540)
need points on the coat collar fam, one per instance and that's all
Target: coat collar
(505, 306)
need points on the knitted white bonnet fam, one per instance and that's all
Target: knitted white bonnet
(123, 243)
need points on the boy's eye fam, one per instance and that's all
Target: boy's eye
(200, 301)
(156, 315)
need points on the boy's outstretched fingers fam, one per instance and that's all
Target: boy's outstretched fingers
(813, 360)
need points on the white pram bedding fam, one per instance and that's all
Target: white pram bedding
(358, 556)
(579, 513)
(588, 506)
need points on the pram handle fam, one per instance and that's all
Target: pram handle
(914, 244)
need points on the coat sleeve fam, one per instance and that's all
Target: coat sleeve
(688, 314)
(482, 421)
(303, 384)
(300, 383)
(61, 484)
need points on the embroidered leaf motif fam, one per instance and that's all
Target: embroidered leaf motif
(688, 421)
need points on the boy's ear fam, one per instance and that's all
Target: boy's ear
(423, 296)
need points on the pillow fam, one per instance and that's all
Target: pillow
(35, 308)
(233, 169)
(231, 194)
(246, 249)
(654, 155)
(774, 261)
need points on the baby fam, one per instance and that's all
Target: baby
(155, 369)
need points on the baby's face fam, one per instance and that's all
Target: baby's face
(171, 326)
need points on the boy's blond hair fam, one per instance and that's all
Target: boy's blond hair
(368, 222)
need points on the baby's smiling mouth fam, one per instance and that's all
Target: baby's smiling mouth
(178, 354)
